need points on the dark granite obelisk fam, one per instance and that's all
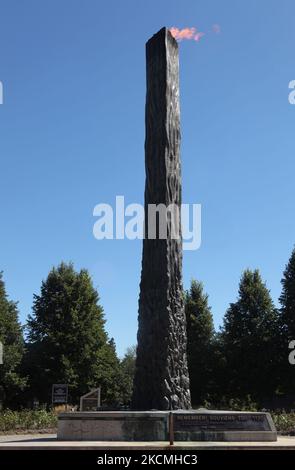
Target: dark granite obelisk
(161, 377)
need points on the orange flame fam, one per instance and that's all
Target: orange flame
(185, 33)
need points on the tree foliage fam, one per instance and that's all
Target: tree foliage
(287, 324)
(249, 341)
(200, 343)
(127, 367)
(287, 299)
(67, 341)
(11, 336)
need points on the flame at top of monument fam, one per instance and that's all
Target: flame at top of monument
(186, 33)
(192, 33)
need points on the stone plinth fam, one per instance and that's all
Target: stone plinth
(113, 426)
(193, 425)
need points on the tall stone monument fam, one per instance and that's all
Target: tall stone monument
(161, 378)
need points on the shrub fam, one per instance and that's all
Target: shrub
(27, 419)
(284, 422)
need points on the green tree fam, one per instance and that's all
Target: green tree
(287, 323)
(11, 336)
(67, 338)
(287, 299)
(249, 342)
(127, 368)
(200, 343)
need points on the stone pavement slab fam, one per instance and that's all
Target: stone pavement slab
(49, 441)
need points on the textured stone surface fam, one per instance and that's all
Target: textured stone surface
(161, 375)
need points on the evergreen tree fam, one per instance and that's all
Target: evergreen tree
(110, 373)
(200, 343)
(287, 323)
(67, 338)
(11, 381)
(127, 367)
(249, 342)
(287, 299)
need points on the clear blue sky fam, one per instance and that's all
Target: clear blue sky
(72, 134)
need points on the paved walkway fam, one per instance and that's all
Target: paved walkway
(49, 441)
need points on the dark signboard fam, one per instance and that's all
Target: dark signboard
(59, 393)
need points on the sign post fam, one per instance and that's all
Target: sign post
(90, 401)
(171, 429)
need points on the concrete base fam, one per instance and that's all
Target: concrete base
(192, 425)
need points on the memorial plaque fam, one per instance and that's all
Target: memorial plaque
(216, 425)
